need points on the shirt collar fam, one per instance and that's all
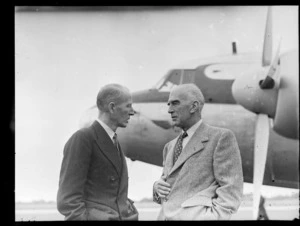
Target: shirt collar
(193, 128)
(109, 131)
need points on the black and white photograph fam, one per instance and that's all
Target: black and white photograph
(156, 113)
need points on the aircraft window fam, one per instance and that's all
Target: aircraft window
(160, 82)
(167, 87)
(188, 76)
(174, 78)
(169, 81)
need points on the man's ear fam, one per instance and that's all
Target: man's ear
(195, 106)
(111, 107)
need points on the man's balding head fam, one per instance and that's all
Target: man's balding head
(111, 93)
(190, 92)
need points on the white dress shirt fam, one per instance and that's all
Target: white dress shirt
(190, 133)
(109, 131)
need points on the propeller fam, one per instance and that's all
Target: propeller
(268, 82)
(262, 124)
(270, 92)
(260, 157)
(267, 48)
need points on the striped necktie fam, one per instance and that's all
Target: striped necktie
(178, 146)
(116, 144)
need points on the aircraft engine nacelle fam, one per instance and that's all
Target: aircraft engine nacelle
(281, 102)
(286, 121)
(247, 92)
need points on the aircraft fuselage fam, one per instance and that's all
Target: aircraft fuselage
(150, 129)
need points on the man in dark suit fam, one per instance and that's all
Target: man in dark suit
(93, 182)
(202, 175)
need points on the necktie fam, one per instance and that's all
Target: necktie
(116, 144)
(178, 146)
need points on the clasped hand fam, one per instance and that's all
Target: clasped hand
(162, 188)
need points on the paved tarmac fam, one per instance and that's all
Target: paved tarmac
(150, 214)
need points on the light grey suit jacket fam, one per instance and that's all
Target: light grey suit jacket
(206, 180)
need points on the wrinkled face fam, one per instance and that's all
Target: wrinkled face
(123, 111)
(179, 108)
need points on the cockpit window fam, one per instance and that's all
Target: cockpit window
(174, 78)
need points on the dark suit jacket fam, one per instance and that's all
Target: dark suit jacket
(206, 180)
(93, 182)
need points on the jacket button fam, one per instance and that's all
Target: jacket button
(112, 179)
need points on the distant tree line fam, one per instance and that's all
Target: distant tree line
(40, 201)
(277, 197)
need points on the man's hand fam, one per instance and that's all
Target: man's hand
(162, 188)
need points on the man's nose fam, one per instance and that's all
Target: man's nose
(170, 110)
(132, 111)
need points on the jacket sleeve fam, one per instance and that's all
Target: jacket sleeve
(156, 197)
(73, 175)
(228, 172)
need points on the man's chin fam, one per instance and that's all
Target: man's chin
(174, 123)
(124, 125)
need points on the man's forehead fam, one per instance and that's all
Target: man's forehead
(177, 94)
(127, 100)
(172, 99)
(126, 94)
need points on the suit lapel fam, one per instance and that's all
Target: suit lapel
(124, 167)
(123, 159)
(106, 146)
(169, 158)
(194, 145)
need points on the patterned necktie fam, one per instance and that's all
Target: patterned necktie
(178, 146)
(116, 144)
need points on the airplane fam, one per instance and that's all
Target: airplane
(250, 94)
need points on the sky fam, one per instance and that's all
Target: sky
(62, 58)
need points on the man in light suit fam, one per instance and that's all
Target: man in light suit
(202, 175)
(93, 181)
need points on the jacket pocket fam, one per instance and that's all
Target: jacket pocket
(131, 206)
(132, 213)
(198, 200)
(101, 213)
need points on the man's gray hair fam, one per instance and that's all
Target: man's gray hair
(111, 93)
(193, 92)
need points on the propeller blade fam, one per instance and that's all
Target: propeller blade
(274, 65)
(267, 47)
(260, 157)
(268, 82)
